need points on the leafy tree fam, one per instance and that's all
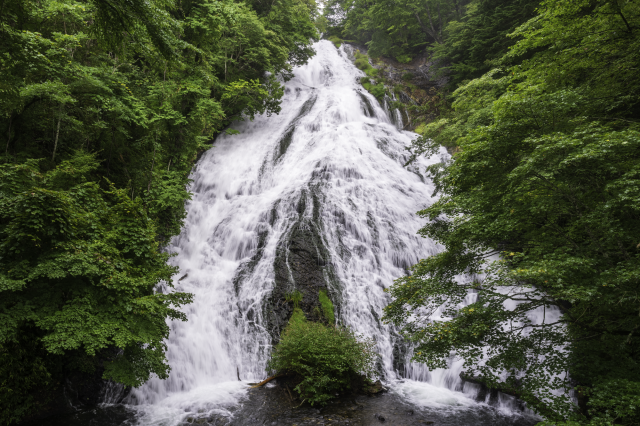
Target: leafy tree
(78, 265)
(547, 177)
(147, 112)
(397, 29)
(472, 45)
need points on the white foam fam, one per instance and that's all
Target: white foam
(424, 394)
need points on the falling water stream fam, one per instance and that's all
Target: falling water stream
(332, 161)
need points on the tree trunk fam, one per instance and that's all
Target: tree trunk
(153, 162)
(432, 32)
(267, 380)
(55, 144)
(6, 150)
(457, 6)
(440, 20)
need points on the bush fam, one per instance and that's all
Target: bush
(327, 360)
(295, 297)
(377, 90)
(337, 41)
(407, 76)
(362, 64)
(362, 61)
(403, 59)
(372, 72)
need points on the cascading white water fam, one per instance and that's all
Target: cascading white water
(334, 140)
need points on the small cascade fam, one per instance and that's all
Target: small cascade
(319, 195)
(394, 114)
(113, 393)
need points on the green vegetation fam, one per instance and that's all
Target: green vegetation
(377, 90)
(362, 62)
(398, 29)
(337, 41)
(327, 307)
(476, 43)
(468, 36)
(326, 359)
(407, 76)
(79, 266)
(105, 106)
(297, 318)
(420, 129)
(295, 297)
(547, 176)
(463, 39)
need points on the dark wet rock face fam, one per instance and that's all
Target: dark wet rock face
(399, 357)
(366, 105)
(287, 137)
(302, 264)
(418, 82)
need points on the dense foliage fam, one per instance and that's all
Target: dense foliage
(399, 29)
(543, 195)
(79, 267)
(146, 111)
(105, 106)
(326, 359)
(465, 37)
(474, 44)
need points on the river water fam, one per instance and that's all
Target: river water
(332, 160)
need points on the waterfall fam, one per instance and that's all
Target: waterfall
(328, 171)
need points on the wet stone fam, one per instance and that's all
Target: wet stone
(274, 406)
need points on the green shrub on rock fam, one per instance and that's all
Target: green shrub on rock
(326, 360)
(378, 90)
(327, 307)
(337, 41)
(362, 61)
